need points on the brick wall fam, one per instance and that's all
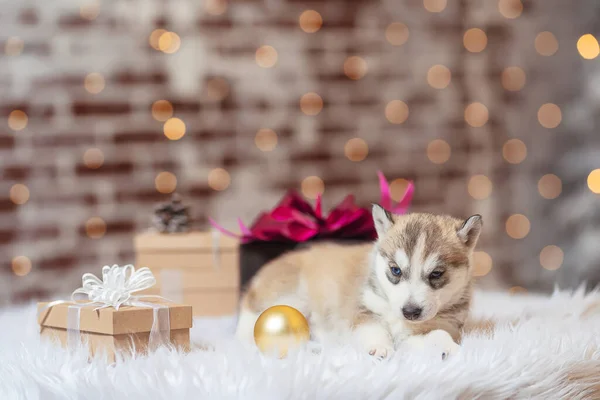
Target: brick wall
(92, 155)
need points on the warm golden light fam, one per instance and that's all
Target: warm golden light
(396, 111)
(475, 40)
(311, 103)
(482, 263)
(19, 194)
(310, 21)
(266, 139)
(165, 182)
(356, 149)
(312, 186)
(510, 8)
(162, 110)
(219, 179)
(21, 265)
(479, 187)
(90, 9)
(355, 67)
(593, 181)
(215, 7)
(279, 329)
(514, 151)
(94, 83)
(476, 115)
(588, 47)
(513, 79)
(266, 56)
(549, 115)
(155, 36)
(17, 120)
(550, 186)
(434, 6)
(438, 77)
(398, 188)
(169, 42)
(551, 257)
(438, 151)
(174, 129)
(396, 33)
(95, 228)
(546, 44)
(13, 46)
(217, 89)
(93, 158)
(517, 290)
(517, 226)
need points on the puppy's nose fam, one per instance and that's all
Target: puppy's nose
(411, 312)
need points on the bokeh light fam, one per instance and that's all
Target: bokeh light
(546, 43)
(517, 290)
(396, 111)
(435, 6)
(90, 9)
(355, 67)
(21, 265)
(396, 33)
(398, 188)
(513, 79)
(93, 158)
(310, 21)
(551, 257)
(438, 77)
(215, 7)
(438, 151)
(517, 226)
(19, 193)
(311, 103)
(169, 42)
(155, 36)
(476, 115)
(95, 228)
(17, 120)
(482, 263)
(514, 151)
(550, 186)
(219, 179)
(165, 182)
(312, 186)
(475, 40)
(510, 8)
(356, 149)
(266, 56)
(479, 187)
(14, 46)
(162, 110)
(593, 181)
(266, 139)
(217, 89)
(94, 83)
(549, 115)
(174, 129)
(588, 47)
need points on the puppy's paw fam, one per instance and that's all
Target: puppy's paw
(380, 351)
(440, 341)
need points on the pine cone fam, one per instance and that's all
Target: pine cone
(171, 217)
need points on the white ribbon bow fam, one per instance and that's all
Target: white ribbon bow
(116, 287)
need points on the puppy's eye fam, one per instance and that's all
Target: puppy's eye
(436, 274)
(396, 271)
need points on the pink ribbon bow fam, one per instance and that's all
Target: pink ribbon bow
(295, 220)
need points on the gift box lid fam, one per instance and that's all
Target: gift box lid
(109, 321)
(197, 241)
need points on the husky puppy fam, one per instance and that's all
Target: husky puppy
(412, 286)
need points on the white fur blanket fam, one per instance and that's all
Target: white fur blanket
(552, 353)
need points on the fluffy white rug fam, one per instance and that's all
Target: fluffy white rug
(552, 353)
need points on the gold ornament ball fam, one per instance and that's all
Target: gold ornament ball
(280, 328)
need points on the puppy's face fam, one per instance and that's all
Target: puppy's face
(422, 261)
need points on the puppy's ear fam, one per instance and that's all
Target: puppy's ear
(469, 231)
(383, 219)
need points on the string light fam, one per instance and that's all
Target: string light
(396, 33)
(217, 89)
(311, 103)
(482, 263)
(219, 179)
(94, 83)
(266, 139)
(17, 120)
(266, 56)
(356, 149)
(169, 42)
(588, 47)
(21, 265)
(438, 151)
(355, 67)
(593, 181)
(551, 257)
(215, 7)
(155, 36)
(19, 194)
(513, 79)
(475, 40)
(93, 158)
(479, 187)
(165, 182)
(14, 46)
(310, 21)
(434, 6)
(95, 228)
(550, 186)
(546, 44)
(312, 186)
(514, 151)
(549, 115)
(174, 129)
(162, 110)
(396, 112)
(510, 8)
(476, 115)
(90, 10)
(438, 77)
(398, 188)
(517, 226)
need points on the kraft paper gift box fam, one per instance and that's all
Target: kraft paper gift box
(197, 268)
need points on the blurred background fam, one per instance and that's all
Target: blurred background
(109, 106)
